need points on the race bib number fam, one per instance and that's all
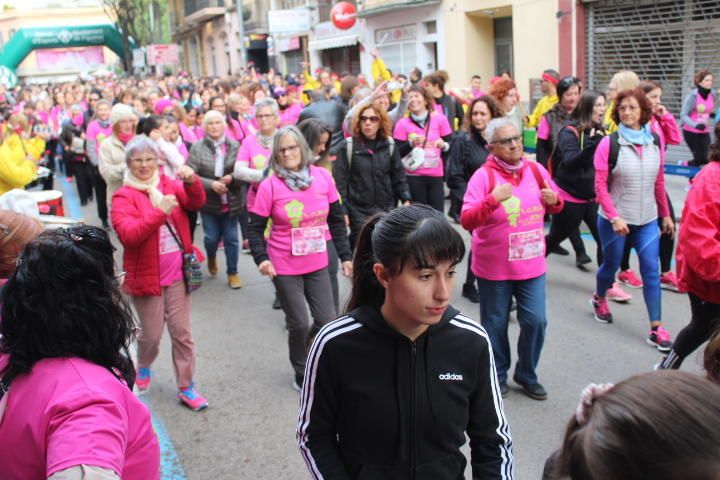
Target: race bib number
(526, 245)
(432, 158)
(167, 242)
(307, 240)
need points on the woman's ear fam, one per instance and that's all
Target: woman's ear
(382, 274)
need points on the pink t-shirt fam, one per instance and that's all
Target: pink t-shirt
(96, 132)
(510, 243)
(543, 131)
(68, 412)
(291, 114)
(188, 134)
(236, 131)
(171, 260)
(701, 113)
(298, 235)
(253, 155)
(439, 127)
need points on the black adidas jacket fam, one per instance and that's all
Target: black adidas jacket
(377, 406)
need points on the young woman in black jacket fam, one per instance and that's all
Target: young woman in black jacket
(468, 152)
(385, 394)
(368, 171)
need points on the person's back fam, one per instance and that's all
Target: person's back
(329, 112)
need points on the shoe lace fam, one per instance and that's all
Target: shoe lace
(662, 334)
(144, 373)
(602, 305)
(190, 393)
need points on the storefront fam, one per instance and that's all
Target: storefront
(291, 50)
(335, 48)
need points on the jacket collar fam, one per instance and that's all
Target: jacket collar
(372, 317)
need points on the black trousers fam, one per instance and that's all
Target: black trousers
(100, 187)
(667, 244)
(699, 144)
(566, 223)
(703, 323)
(82, 171)
(427, 190)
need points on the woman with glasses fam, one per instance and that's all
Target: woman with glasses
(424, 135)
(302, 202)
(67, 410)
(504, 206)
(368, 171)
(154, 233)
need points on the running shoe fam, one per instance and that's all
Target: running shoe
(297, 383)
(617, 294)
(212, 266)
(192, 399)
(143, 379)
(660, 339)
(668, 281)
(582, 260)
(628, 277)
(601, 309)
(471, 293)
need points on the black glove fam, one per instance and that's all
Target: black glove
(700, 126)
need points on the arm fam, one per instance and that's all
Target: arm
(478, 203)
(172, 154)
(455, 168)
(192, 196)
(110, 171)
(399, 111)
(35, 147)
(380, 71)
(338, 231)
(670, 129)
(194, 163)
(687, 107)
(557, 208)
(341, 173)
(534, 118)
(700, 234)
(92, 150)
(85, 472)
(132, 225)
(255, 230)
(660, 196)
(15, 169)
(398, 178)
(600, 161)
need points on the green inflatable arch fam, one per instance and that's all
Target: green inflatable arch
(26, 40)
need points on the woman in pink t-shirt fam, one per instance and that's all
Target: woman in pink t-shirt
(424, 134)
(697, 117)
(66, 402)
(303, 204)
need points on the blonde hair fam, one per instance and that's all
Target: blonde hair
(625, 80)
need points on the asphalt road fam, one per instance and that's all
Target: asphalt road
(242, 367)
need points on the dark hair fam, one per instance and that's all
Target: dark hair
(148, 124)
(700, 76)
(437, 80)
(216, 97)
(711, 357)
(346, 87)
(639, 95)
(495, 112)
(648, 86)
(417, 233)
(429, 100)
(583, 112)
(385, 130)
(64, 300)
(312, 129)
(565, 84)
(475, 76)
(714, 154)
(662, 425)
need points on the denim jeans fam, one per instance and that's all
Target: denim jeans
(495, 299)
(646, 240)
(225, 228)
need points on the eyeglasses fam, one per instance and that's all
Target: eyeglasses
(265, 116)
(144, 160)
(372, 119)
(506, 142)
(94, 99)
(286, 150)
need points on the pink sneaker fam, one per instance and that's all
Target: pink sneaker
(629, 278)
(143, 379)
(668, 281)
(660, 339)
(601, 309)
(617, 294)
(192, 399)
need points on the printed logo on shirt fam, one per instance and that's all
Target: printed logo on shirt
(294, 211)
(456, 377)
(512, 208)
(259, 162)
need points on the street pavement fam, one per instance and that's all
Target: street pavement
(243, 368)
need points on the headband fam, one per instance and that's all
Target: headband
(588, 396)
(549, 78)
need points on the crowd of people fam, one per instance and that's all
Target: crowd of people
(314, 175)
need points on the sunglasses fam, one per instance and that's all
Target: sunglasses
(372, 119)
(567, 82)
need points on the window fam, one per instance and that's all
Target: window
(399, 58)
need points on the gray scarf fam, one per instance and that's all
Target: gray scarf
(300, 180)
(265, 141)
(420, 119)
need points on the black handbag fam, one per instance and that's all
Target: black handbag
(192, 274)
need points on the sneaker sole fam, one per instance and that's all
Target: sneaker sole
(143, 391)
(598, 319)
(669, 288)
(619, 300)
(194, 409)
(296, 387)
(629, 285)
(659, 347)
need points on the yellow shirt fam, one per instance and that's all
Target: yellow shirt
(16, 170)
(543, 106)
(611, 126)
(380, 73)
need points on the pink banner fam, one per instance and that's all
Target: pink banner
(83, 58)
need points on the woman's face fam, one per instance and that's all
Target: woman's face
(165, 130)
(103, 112)
(126, 126)
(267, 120)
(506, 144)
(143, 165)
(384, 102)
(417, 296)
(570, 98)
(480, 116)
(258, 94)
(218, 105)
(69, 98)
(173, 132)
(655, 97)
(599, 110)
(369, 123)
(215, 128)
(612, 91)
(416, 103)
(205, 96)
(706, 82)
(511, 99)
(244, 105)
(630, 112)
(320, 147)
(191, 117)
(289, 155)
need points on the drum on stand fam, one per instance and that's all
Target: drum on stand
(49, 202)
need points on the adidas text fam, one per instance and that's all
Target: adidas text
(450, 376)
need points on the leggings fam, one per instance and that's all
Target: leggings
(646, 241)
(470, 276)
(568, 220)
(667, 244)
(427, 190)
(703, 323)
(698, 143)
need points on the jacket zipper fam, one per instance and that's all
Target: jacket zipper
(413, 410)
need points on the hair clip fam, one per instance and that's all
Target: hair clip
(5, 229)
(588, 396)
(75, 238)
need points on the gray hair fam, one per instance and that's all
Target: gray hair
(496, 124)
(139, 144)
(212, 115)
(305, 152)
(267, 102)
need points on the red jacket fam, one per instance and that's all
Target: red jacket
(698, 250)
(137, 224)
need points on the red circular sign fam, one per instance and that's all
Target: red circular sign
(343, 15)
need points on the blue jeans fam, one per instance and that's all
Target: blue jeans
(495, 299)
(225, 228)
(646, 240)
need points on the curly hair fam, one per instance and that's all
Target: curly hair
(639, 95)
(501, 89)
(492, 105)
(64, 300)
(385, 130)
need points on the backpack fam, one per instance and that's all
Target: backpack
(615, 149)
(572, 128)
(533, 166)
(349, 147)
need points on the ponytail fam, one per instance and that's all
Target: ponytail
(366, 289)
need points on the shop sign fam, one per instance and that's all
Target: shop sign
(289, 21)
(403, 33)
(163, 54)
(328, 30)
(343, 15)
(287, 44)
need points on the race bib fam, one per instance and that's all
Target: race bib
(526, 245)
(307, 240)
(432, 158)
(167, 242)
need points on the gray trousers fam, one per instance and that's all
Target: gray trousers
(296, 292)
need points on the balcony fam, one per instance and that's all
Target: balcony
(198, 11)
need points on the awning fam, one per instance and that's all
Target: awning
(333, 42)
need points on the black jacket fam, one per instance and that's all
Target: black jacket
(573, 167)
(373, 181)
(330, 112)
(452, 110)
(378, 406)
(467, 154)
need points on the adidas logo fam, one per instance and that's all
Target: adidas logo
(450, 376)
